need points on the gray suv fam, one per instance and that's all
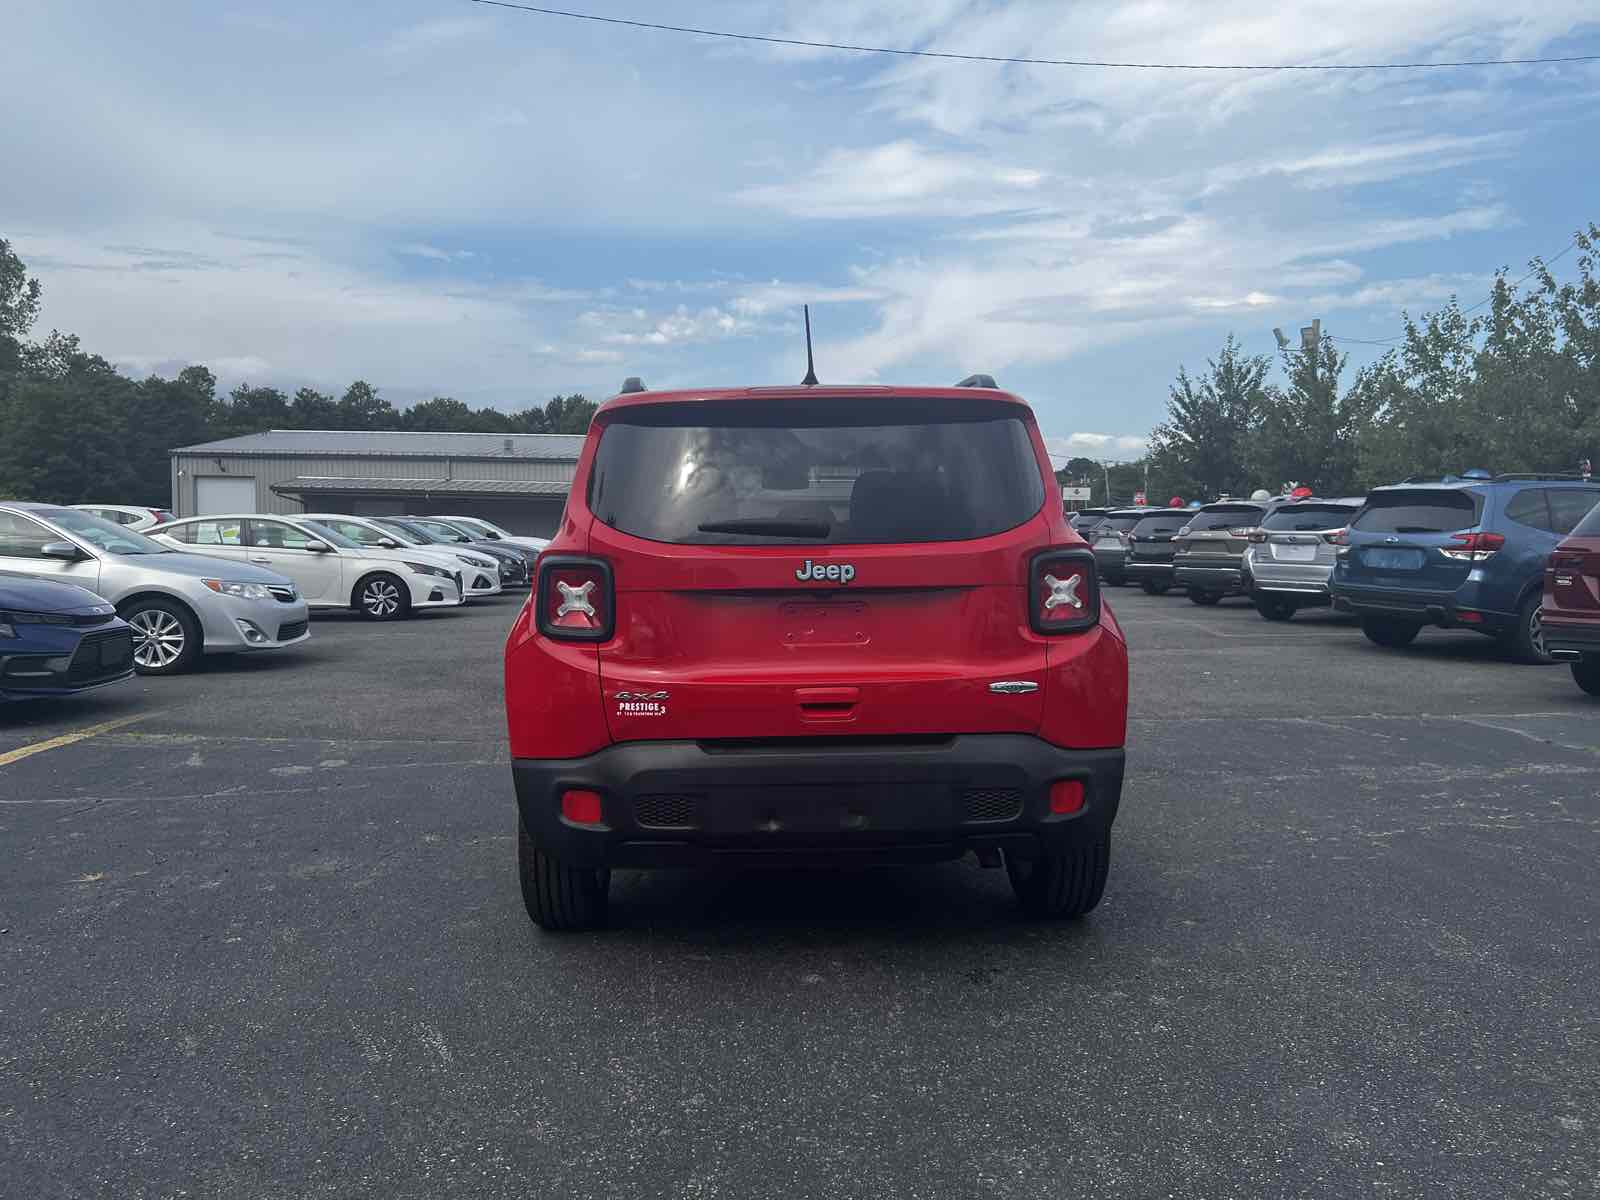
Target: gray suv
(179, 605)
(1290, 558)
(1208, 555)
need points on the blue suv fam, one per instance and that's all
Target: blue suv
(1461, 552)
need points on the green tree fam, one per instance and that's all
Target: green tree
(1309, 432)
(362, 408)
(1211, 420)
(312, 409)
(252, 410)
(19, 298)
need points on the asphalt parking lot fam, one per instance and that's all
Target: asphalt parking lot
(264, 939)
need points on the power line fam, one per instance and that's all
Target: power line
(1035, 62)
(1545, 263)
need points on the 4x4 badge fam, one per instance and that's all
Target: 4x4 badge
(832, 573)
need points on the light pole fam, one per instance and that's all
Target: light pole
(1310, 342)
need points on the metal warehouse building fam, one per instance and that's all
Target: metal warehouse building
(518, 480)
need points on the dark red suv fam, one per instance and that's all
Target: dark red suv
(1570, 616)
(803, 624)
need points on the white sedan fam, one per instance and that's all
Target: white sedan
(480, 574)
(330, 570)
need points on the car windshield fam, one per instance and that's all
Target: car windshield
(1225, 518)
(1310, 517)
(1432, 510)
(1152, 526)
(473, 527)
(441, 531)
(101, 533)
(331, 535)
(406, 529)
(828, 472)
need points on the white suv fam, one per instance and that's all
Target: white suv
(330, 570)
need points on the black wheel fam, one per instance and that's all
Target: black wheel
(1275, 608)
(1525, 639)
(558, 897)
(1384, 632)
(382, 597)
(1204, 598)
(1061, 885)
(166, 637)
(1586, 673)
(1155, 588)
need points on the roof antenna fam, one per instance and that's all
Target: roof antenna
(811, 371)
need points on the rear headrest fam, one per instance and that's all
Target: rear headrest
(892, 506)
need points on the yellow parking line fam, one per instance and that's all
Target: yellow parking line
(66, 739)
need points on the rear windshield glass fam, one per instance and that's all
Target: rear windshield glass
(1149, 526)
(1432, 511)
(1227, 518)
(1311, 516)
(823, 471)
(1123, 521)
(1590, 525)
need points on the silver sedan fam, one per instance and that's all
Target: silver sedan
(179, 605)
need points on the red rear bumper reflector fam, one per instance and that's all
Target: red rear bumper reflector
(581, 808)
(1066, 796)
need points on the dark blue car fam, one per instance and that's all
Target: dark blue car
(57, 639)
(1462, 552)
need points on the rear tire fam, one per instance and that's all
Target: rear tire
(1275, 608)
(1069, 884)
(1393, 634)
(558, 897)
(1155, 588)
(382, 597)
(1525, 639)
(1586, 673)
(166, 637)
(1203, 598)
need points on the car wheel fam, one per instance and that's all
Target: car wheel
(1525, 639)
(1586, 673)
(558, 897)
(1390, 633)
(1154, 588)
(1275, 608)
(1061, 885)
(1204, 598)
(383, 597)
(166, 637)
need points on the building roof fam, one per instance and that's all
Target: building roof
(549, 447)
(305, 484)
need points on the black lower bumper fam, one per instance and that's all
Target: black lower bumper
(899, 800)
(1568, 637)
(1417, 607)
(1224, 579)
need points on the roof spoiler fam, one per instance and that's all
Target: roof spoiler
(979, 381)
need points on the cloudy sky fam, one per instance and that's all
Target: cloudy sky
(448, 198)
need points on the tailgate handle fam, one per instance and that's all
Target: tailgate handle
(825, 703)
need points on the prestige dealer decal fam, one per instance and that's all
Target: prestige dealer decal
(642, 704)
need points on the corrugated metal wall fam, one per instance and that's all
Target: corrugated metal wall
(269, 469)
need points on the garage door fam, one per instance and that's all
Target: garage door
(224, 494)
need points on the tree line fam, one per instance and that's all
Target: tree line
(1510, 385)
(74, 429)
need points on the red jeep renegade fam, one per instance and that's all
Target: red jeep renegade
(803, 624)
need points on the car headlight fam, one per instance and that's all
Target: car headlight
(425, 569)
(472, 560)
(243, 591)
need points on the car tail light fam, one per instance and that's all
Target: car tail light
(1063, 592)
(1337, 537)
(576, 598)
(1257, 536)
(1243, 531)
(581, 807)
(1475, 546)
(1066, 796)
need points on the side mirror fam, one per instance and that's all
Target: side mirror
(318, 547)
(65, 550)
(388, 543)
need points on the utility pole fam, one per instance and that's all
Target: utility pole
(1107, 470)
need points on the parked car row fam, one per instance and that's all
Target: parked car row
(1513, 557)
(86, 600)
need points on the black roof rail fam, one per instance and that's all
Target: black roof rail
(979, 381)
(1535, 475)
(631, 384)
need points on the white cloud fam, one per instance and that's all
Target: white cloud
(426, 37)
